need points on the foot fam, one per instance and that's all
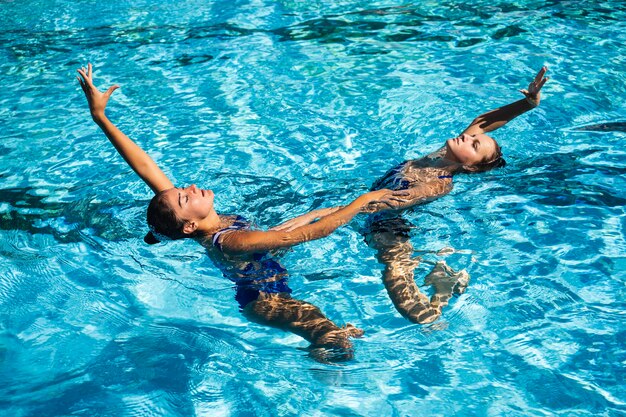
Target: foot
(335, 345)
(352, 331)
(339, 337)
(446, 280)
(462, 282)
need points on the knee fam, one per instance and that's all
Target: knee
(263, 309)
(256, 311)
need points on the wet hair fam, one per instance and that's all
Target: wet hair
(163, 221)
(495, 160)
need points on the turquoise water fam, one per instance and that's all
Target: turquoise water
(282, 107)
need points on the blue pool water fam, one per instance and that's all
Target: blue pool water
(281, 107)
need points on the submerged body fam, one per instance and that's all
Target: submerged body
(422, 180)
(426, 172)
(263, 293)
(252, 273)
(245, 255)
(388, 232)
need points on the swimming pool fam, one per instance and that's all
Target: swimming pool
(293, 106)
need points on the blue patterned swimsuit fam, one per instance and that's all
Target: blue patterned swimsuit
(389, 221)
(261, 273)
(396, 178)
(393, 179)
(392, 221)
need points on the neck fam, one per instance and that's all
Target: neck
(444, 159)
(210, 224)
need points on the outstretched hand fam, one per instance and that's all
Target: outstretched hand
(383, 200)
(533, 94)
(97, 100)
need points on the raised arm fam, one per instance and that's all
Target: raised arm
(497, 118)
(260, 241)
(138, 160)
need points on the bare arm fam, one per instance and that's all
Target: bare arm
(419, 194)
(136, 158)
(255, 241)
(305, 219)
(497, 118)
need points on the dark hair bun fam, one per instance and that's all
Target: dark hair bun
(150, 239)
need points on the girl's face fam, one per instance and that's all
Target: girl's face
(190, 203)
(471, 149)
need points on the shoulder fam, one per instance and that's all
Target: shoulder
(231, 224)
(429, 176)
(429, 188)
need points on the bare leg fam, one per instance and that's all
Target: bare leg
(395, 252)
(304, 319)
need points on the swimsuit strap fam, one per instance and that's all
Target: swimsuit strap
(240, 223)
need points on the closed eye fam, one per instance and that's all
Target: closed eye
(180, 199)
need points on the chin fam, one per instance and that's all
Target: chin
(450, 154)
